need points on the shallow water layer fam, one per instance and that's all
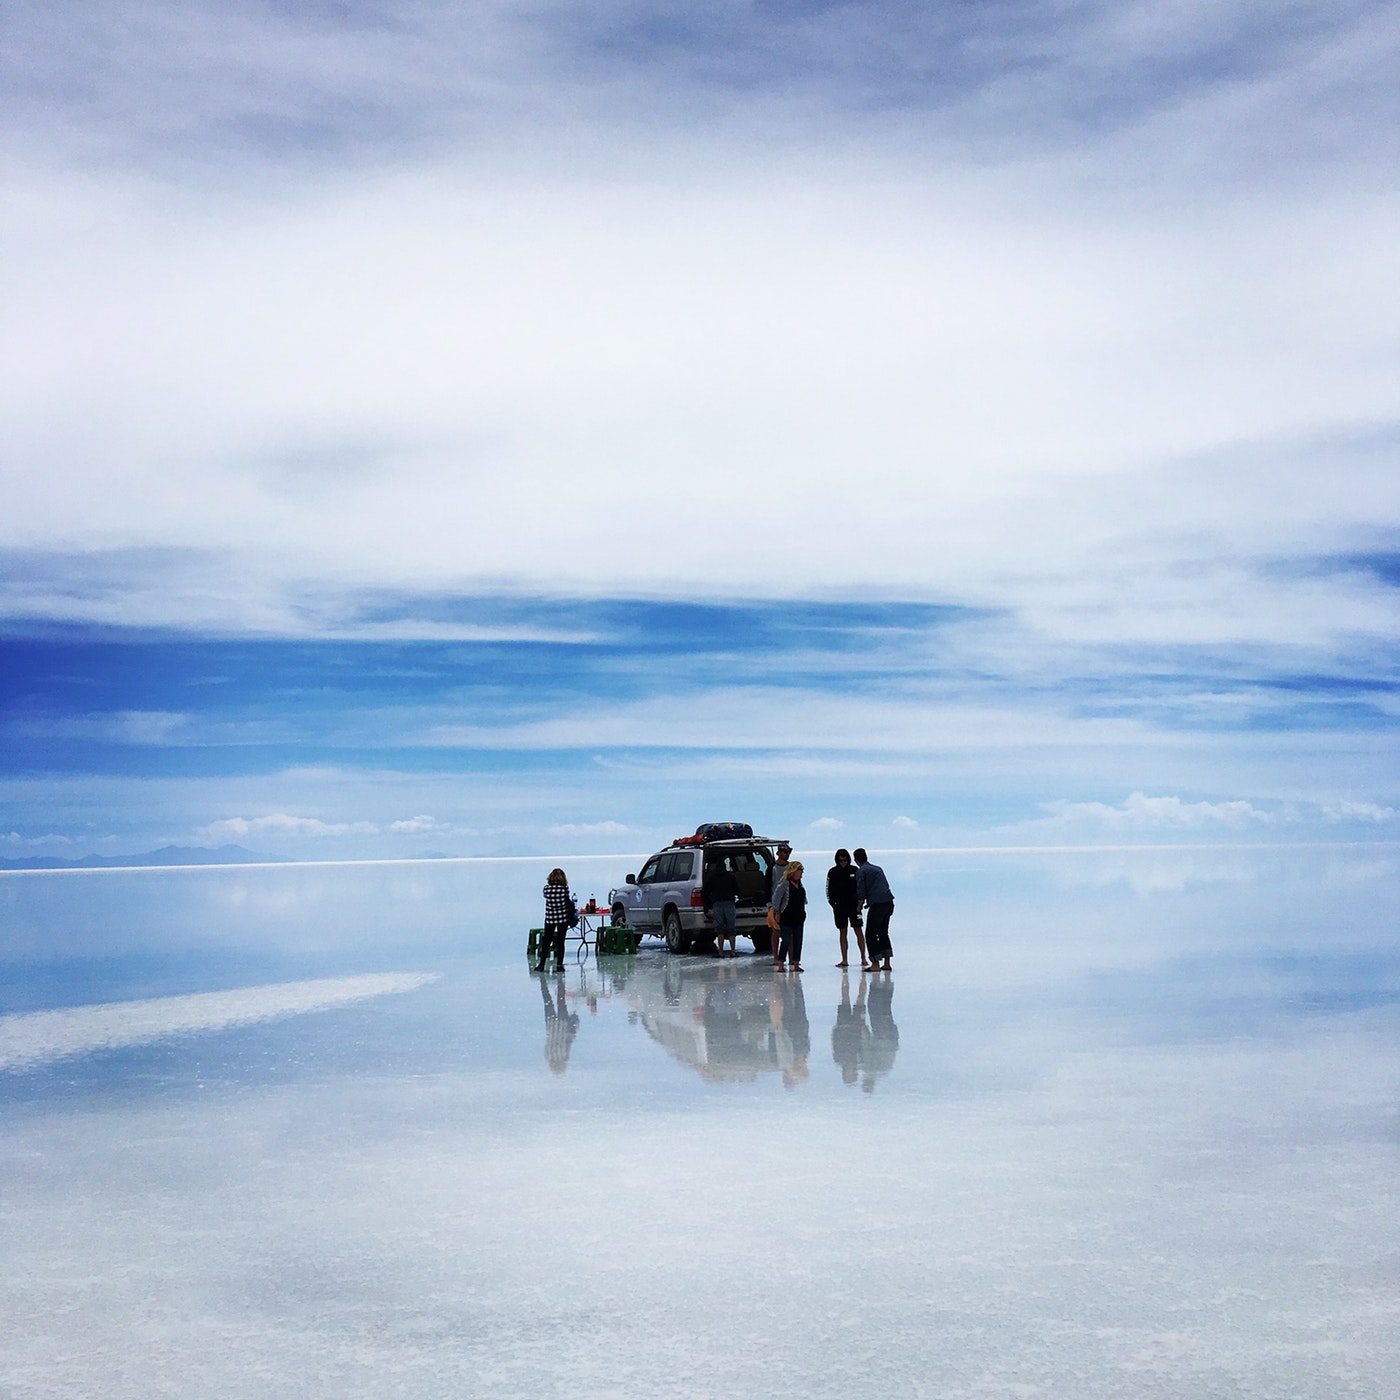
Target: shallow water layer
(1118, 1124)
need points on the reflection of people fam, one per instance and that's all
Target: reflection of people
(873, 890)
(790, 900)
(845, 903)
(728, 1017)
(790, 1032)
(720, 889)
(556, 919)
(850, 1034)
(883, 1045)
(560, 1025)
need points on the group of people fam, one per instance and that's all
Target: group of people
(858, 893)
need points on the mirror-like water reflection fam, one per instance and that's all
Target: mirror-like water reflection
(1116, 1124)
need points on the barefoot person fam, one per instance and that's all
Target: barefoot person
(873, 891)
(845, 903)
(790, 900)
(556, 919)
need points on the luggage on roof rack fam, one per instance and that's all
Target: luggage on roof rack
(723, 831)
(715, 831)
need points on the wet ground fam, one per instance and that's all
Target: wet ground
(1116, 1125)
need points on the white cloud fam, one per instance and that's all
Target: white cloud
(608, 828)
(137, 727)
(1142, 813)
(904, 822)
(827, 824)
(282, 824)
(1021, 381)
(13, 841)
(411, 826)
(1348, 811)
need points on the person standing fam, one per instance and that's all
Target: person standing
(556, 919)
(790, 900)
(720, 891)
(873, 891)
(778, 871)
(845, 904)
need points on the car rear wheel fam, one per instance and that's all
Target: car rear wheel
(762, 939)
(676, 940)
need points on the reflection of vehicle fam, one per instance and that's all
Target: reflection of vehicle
(666, 896)
(729, 1021)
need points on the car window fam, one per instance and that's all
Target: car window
(758, 860)
(678, 866)
(651, 871)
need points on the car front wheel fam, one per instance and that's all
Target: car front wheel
(676, 941)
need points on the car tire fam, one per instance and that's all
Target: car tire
(762, 939)
(674, 933)
(619, 916)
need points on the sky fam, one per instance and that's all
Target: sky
(492, 429)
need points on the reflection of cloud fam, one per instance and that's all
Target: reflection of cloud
(1159, 872)
(1142, 813)
(283, 824)
(1154, 870)
(39, 1036)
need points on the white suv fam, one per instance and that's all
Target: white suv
(666, 897)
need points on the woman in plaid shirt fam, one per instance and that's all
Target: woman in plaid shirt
(556, 918)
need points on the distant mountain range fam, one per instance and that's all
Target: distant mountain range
(167, 855)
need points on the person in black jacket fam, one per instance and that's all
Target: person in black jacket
(845, 903)
(720, 891)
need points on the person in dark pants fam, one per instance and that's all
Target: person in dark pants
(873, 891)
(556, 919)
(720, 890)
(790, 900)
(841, 895)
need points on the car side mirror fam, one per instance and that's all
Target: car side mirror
(629, 879)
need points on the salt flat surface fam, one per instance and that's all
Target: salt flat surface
(31, 1038)
(1117, 1125)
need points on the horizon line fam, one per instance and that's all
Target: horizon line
(1100, 849)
